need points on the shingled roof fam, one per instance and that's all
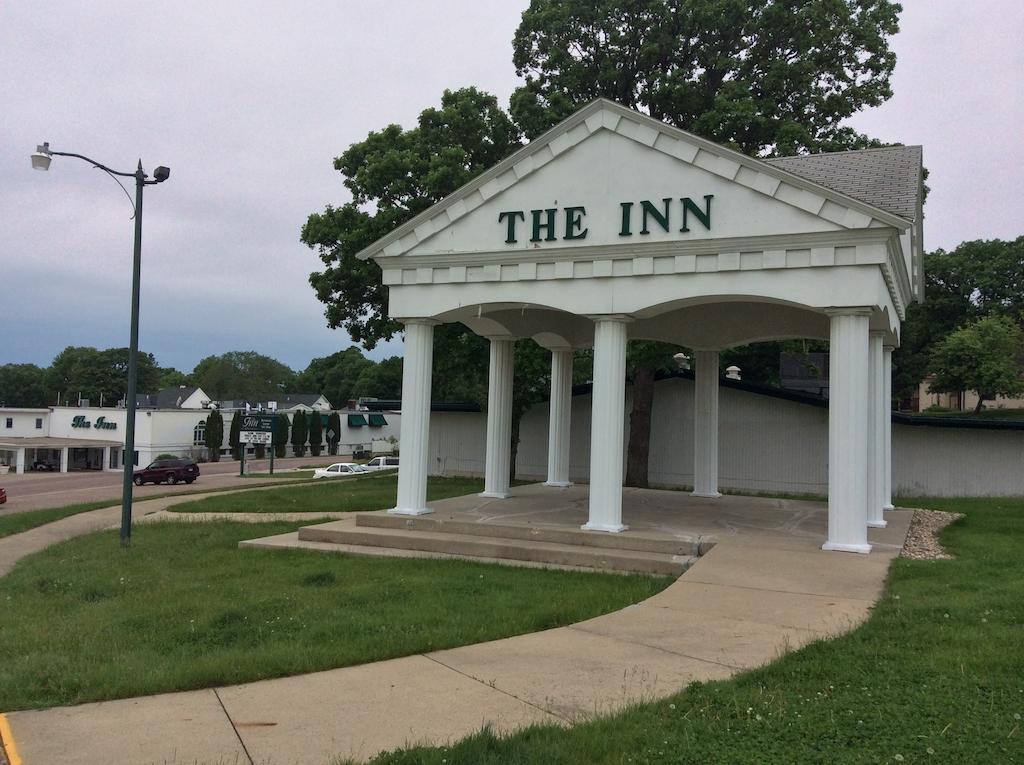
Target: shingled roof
(888, 178)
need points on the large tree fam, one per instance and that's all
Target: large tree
(235, 435)
(80, 371)
(977, 279)
(766, 76)
(392, 175)
(299, 433)
(214, 435)
(335, 376)
(24, 385)
(986, 356)
(245, 375)
(316, 433)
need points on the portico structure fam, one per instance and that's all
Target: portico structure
(613, 226)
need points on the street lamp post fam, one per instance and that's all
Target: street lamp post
(41, 161)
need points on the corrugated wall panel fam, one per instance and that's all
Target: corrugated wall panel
(765, 444)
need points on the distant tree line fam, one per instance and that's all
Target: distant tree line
(101, 376)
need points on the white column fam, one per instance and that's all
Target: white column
(847, 431)
(64, 453)
(560, 411)
(876, 432)
(19, 461)
(499, 419)
(606, 424)
(887, 423)
(416, 369)
(705, 424)
(106, 458)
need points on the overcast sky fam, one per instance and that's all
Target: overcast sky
(248, 104)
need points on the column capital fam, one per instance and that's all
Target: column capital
(417, 320)
(889, 346)
(500, 338)
(878, 333)
(618, 318)
(863, 310)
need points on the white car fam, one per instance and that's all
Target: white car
(339, 469)
(382, 463)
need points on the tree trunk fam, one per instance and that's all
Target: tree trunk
(981, 400)
(639, 449)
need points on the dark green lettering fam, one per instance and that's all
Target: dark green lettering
(573, 222)
(658, 215)
(627, 208)
(510, 237)
(549, 226)
(704, 216)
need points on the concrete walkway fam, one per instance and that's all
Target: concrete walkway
(746, 602)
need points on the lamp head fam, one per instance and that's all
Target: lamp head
(161, 174)
(41, 158)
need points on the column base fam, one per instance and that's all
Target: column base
(877, 524)
(838, 547)
(495, 494)
(559, 484)
(706, 494)
(610, 528)
(409, 511)
(888, 507)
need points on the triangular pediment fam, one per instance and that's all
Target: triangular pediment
(609, 176)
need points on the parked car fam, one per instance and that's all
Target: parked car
(339, 469)
(167, 471)
(382, 463)
(44, 465)
(3, 495)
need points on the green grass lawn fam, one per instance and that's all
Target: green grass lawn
(373, 492)
(15, 523)
(19, 522)
(185, 608)
(935, 676)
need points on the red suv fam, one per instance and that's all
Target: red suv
(167, 471)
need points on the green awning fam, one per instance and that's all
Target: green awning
(377, 421)
(356, 420)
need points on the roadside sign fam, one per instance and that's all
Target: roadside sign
(262, 423)
(257, 429)
(255, 437)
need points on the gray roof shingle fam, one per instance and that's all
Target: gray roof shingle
(888, 178)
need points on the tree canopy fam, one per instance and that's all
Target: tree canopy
(393, 175)
(977, 279)
(94, 374)
(243, 375)
(986, 356)
(765, 76)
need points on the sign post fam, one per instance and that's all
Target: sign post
(256, 429)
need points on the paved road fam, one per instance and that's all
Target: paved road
(36, 491)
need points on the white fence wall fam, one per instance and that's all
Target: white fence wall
(765, 444)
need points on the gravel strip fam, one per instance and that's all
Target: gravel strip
(923, 538)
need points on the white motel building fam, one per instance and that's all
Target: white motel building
(613, 226)
(172, 421)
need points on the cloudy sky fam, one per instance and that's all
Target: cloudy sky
(248, 103)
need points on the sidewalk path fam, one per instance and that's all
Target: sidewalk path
(746, 602)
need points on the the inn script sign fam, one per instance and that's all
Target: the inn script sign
(546, 224)
(102, 423)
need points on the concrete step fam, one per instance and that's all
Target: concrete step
(631, 540)
(552, 553)
(291, 541)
